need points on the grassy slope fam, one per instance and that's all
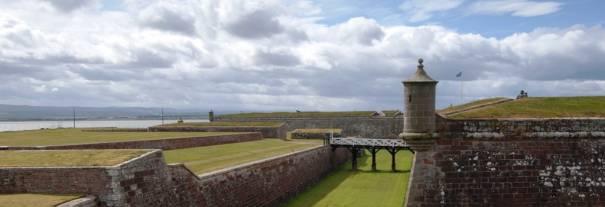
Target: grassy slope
(77, 136)
(33, 200)
(210, 158)
(62, 158)
(542, 107)
(470, 104)
(300, 114)
(318, 130)
(362, 188)
(222, 124)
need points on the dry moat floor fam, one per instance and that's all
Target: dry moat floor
(363, 187)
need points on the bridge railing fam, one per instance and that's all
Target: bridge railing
(349, 141)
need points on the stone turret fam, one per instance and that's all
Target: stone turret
(419, 116)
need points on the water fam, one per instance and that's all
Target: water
(30, 125)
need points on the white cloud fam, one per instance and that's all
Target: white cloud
(421, 10)
(114, 58)
(520, 8)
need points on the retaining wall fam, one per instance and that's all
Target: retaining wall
(269, 182)
(530, 128)
(165, 144)
(371, 127)
(148, 181)
(280, 131)
(509, 172)
(138, 182)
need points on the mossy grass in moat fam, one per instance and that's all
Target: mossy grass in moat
(34, 200)
(49, 137)
(210, 158)
(362, 188)
(66, 158)
(541, 107)
(223, 124)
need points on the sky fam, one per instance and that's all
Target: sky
(288, 55)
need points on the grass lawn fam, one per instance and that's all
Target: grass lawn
(77, 136)
(223, 124)
(361, 188)
(311, 114)
(541, 107)
(470, 105)
(33, 200)
(210, 158)
(64, 158)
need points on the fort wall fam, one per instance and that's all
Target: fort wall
(165, 144)
(370, 127)
(509, 172)
(148, 181)
(280, 131)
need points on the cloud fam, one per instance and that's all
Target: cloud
(257, 24)
(168, 17)
(420, 10)
(70, 5)
(242, 55)
(520, 8)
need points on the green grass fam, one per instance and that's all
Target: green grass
(65, 158)
(361, 188)
(210, 158)
(541, 107)
(314, 114)
(470, 105)
(223, 124)
(77, 136)
(34, 200)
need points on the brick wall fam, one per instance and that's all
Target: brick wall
(509, 172)
(148, 181)
(531, 128)
(165, 144)
(267, 132)
(268, 182)
(371, 127)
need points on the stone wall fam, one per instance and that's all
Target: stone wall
(370, 127)
(268, 182)
(148, 181)
(165, 144)
(509, 172)
(280, 131)
(138, 182)
(530, 128)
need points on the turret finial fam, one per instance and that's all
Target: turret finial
(420, 60)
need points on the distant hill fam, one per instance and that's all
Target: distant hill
(23, 113)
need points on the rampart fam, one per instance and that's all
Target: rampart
(148, 181)
(176, 143)
(371, 127)
(267, 131)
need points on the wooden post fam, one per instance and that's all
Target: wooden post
(373, 150)
(393, 152)
(354, 160)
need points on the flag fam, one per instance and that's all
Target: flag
(459, 75)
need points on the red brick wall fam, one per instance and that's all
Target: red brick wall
(262, 183)
(510, 172)
(165, 144)
(54, 180)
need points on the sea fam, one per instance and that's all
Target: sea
(32, 125)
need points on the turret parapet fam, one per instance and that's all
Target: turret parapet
(419, 93)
